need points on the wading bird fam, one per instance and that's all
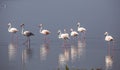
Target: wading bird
(109, 39)
(44, 31)
(63, 36)
(26, 33)
(12, 30)
(81, 29)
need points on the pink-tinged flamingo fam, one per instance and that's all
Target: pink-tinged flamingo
(81, 29)
(44, 31)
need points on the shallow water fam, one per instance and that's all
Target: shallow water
(93, 52)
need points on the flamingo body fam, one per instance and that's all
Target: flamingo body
(45, 32)
(63, 35)
(73, 33)
(80, 29)
(12, 30)
(108, 37)
(26, 33)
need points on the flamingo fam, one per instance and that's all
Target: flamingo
(12, 29)
(44, 31)
(81, 29)
(109, 39)
(26, 33)
(63, 36)
(74, 33)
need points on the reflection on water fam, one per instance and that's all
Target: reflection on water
(12, 51)
(81, 48)
(108, 62)
(26, 53)
(109, 59)
(73, 52)
(44, 48)
(64, 57)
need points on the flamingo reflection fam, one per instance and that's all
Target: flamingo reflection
(27, 53)
(81, 48)
(108, 62)
(73, 53)
(64, 57)
(44, 49)
(109, 59)
(12, 51)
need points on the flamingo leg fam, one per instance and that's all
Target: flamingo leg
(108, 48)
(113, 45)
(28, 43)
(12, 37)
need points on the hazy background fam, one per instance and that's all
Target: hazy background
(97, 16)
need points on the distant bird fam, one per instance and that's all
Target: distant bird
(80, 29)
(44, 32)
(26, 33)
(108, 37)
(12, 30)
(73, 33)
(64, 35)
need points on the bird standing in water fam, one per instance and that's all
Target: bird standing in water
(44, 31)
(12, 30)
(82, 30)
(26, 33)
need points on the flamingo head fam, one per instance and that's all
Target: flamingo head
(40, 25)
(9, 24)
(71, 29)
(59, 31)
(22, 25)
(78, 24)
(106, 33)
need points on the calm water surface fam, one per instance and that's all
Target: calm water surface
(93, 52)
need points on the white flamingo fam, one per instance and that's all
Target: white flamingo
(44, 31)
(109, 38)
(12, 30)
(80, 29)
(64, 35)
(73, 33)
(26, 33)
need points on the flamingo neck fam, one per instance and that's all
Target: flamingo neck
(59, 34)
(41, 29)
(9, 27)
(22, 30)
(79, 26)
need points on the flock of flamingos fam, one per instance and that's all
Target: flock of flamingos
(61, 35)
